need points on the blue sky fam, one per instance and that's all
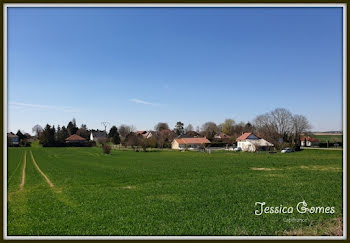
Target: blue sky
(144, 65)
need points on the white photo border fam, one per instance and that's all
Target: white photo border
(163, 5)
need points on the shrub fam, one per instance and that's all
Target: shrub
(106, 148)
(91, 143)
(25, 143)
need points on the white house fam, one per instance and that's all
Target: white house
(308, 141)
(190, 143)
(250, 142)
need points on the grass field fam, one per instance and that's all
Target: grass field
(330, 138)
(169, 193)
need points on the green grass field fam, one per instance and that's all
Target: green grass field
(330, 138)
(170, 192)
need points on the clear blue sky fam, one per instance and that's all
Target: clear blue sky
(144, 65)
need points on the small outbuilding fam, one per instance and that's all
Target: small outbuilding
(190, 143)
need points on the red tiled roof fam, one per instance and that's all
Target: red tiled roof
(192, 140)
(222, 135)
(166, 131)
(75, 137)
(244, 136)
(308, 138)
(141, 132)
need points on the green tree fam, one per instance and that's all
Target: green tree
(114, 135)
(228, 126)
(61, 135)
(47, 137)
(72, 127)
(20, 135)
(179, 128)
(161, 126)
(83, 132)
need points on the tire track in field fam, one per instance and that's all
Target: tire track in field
(14, 172)
(40, 171)
(57, 190)
(23, 172)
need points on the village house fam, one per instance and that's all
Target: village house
(143, 133)
(251, 143)
(98, 135)
(75, 139)
(221, 135)
(190, 143)
(146, 134)
(149, 134)
(12, 139)
(308, 141)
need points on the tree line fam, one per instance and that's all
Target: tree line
(279, 127)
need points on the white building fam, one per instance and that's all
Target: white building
(251, 143)
(308, 141)
(189, 143)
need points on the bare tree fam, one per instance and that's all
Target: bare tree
(37, 129)
(281, 123)
(300, 125)
(189, 128)
(209, 129)
(282, 120)
(124, 130)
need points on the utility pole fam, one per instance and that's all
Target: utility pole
(105, 124)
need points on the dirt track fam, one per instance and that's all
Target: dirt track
(40, 171)
(23, 172)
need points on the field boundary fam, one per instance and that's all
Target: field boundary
(23, 172)
(41, 172)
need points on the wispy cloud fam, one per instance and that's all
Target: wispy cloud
(143, 102)
(43, 107)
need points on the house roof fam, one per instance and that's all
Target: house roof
(149, 133)
(244, 136)
(261, 142)
(308, 138)
(191, 140)
(11, 135)
(222, 135)
(98, 134)
(141, 132)
(75, 137)
(165, 131)
(185, 136)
